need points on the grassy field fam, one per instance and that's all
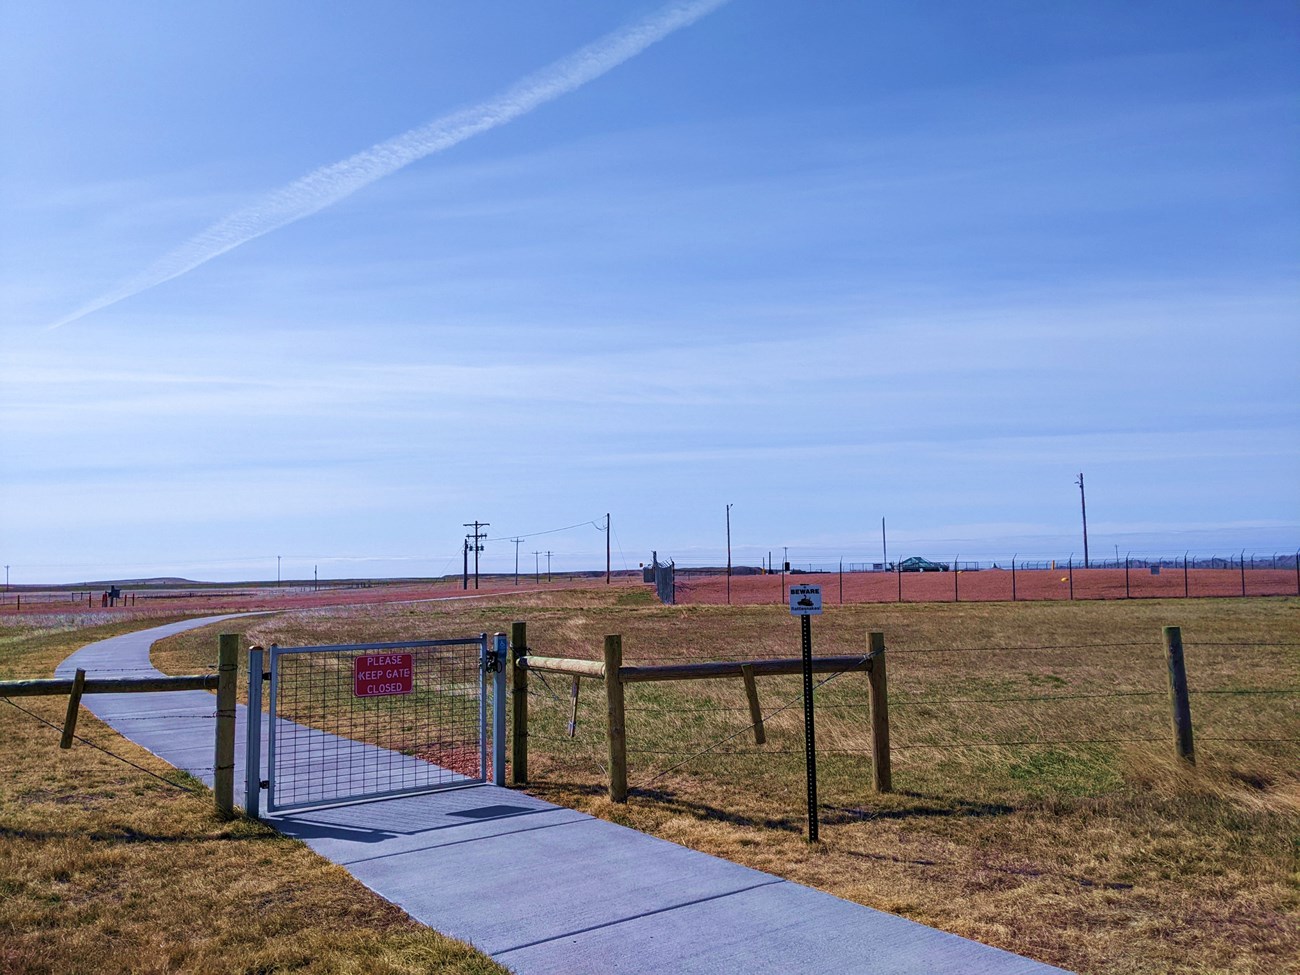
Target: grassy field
(1039, 806)
(105, 868)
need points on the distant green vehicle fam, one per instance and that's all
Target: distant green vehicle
(918, 564)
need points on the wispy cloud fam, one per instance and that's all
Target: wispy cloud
(329, 184)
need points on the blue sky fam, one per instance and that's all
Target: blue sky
(826, 262)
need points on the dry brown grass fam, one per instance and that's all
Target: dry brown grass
(1104, 856)
(106, 869)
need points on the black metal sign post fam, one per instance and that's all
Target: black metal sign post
(806, 602)
(809, 735)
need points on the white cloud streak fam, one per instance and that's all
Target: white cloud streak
(329, 184)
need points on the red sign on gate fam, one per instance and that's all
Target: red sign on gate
(377, 674)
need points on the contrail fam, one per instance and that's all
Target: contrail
(329, 184)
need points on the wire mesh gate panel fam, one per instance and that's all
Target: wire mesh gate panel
(365, 720)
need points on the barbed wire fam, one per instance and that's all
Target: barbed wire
(1285, 691)
(1001, 649)
(1234, 643)
(101, 748)
(1025, 742)
(892, 651)
(691, 710)
(549, 690)
(1069, 697)
(714, 656)
(925, 701)
(101, 671)
(206, 716)
(946, 745)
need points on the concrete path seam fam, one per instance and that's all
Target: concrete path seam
(639, 917)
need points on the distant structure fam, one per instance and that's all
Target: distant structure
(664, 578)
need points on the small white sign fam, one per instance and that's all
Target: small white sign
(805, 600)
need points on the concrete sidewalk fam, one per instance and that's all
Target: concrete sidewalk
(545, 889)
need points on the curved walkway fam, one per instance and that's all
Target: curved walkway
(544, 889)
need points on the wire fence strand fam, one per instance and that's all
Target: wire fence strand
(101, 748)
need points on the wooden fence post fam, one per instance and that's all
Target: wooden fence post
(518, 704)
(573, 705)
(881, 775)
(1182, 711)
(223, 772)
(755, 711)
(617, 732)
(74, 707)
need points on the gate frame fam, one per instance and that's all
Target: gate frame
(491, 661)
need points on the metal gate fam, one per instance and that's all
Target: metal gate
(367, 720)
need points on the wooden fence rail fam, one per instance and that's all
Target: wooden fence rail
(766, 667)
(780, 666)
(58, 686)
(223, 682)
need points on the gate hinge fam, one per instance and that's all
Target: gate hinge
(264, 784)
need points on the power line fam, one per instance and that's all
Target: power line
(552, 531)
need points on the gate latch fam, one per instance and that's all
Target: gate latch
(493, 664)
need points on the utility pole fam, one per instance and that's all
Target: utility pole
(884, 546)
(277, 570)
(728, 555)
(464, 571)
(1083, 505)
(315, 578)
(785, 564)
(6, 578)
(516, 541)
(548, 566)
(607, 548)
(478, 537)
(537, 571)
